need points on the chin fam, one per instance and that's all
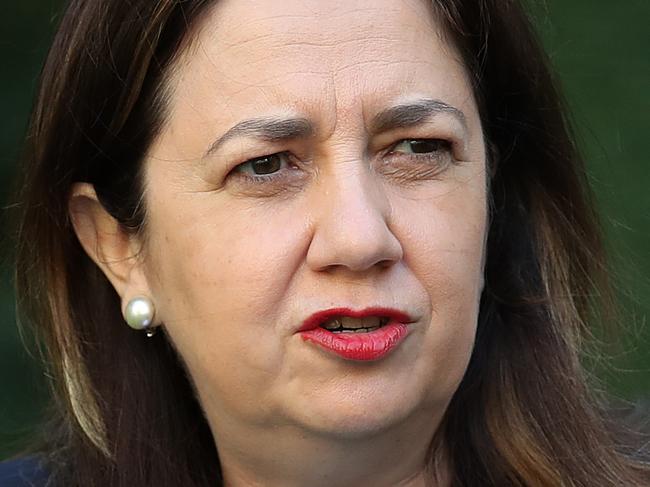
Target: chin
(354, 418)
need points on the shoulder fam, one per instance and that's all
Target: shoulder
(23, 472)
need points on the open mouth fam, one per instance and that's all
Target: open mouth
(346, 324)
(365, 335)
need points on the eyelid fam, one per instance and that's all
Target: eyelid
(434, 129)
(422, 139)
(450, 146)
(279, 175)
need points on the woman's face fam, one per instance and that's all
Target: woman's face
(359, 122)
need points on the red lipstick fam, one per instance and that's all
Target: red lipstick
(372, 345)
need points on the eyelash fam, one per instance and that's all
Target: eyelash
(258, 179)
(262, 179)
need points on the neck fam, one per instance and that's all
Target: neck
(290, 457)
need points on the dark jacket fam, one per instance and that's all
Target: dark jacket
(23, 472)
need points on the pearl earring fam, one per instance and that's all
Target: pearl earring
(139, 314)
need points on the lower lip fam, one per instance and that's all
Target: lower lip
(372, 345)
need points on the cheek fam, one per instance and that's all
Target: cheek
(218, 285)
(445, 236)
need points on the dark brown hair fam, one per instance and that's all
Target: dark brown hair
(125, 413)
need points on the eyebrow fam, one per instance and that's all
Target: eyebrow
(413, 113)
(269, 129)
(276, 129)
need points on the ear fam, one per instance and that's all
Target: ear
(115, 251)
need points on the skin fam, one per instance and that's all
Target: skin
(355, 220)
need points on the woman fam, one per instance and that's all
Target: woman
(352, 241)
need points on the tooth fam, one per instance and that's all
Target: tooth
(332, 324)
(367, 322)
(355, 330)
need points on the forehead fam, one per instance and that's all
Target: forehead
(323, 59)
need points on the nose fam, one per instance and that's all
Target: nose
(352, 219)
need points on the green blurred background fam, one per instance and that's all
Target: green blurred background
(601, 50)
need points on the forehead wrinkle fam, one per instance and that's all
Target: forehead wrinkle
(319, 25)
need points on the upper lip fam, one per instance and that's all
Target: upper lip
(320, 317)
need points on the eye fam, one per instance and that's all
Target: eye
(411, 161)
(422, 146)
(263, 168)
